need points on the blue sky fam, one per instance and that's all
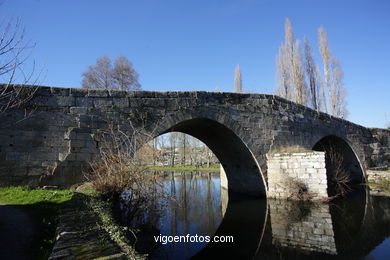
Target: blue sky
(195, 45)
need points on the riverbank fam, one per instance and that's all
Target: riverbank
(379, 181)
(35, 214)
(88, 230)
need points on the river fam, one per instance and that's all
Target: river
(354, 228)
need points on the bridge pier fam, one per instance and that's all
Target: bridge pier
(300, 176)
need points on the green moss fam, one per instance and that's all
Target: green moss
(117, 233)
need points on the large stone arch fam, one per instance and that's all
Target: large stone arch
(221, 135)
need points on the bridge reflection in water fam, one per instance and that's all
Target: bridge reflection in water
(302, 225)
(268, 229)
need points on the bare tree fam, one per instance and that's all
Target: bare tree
(292, 69)
(104, 76)
(316, 85)
(298, 76)
(14, 53)
(237, 79)
(99, 76)
(183, 142)
(311, 72)
(283, 63)
(124, 74)
(283, 86)
(290, 75)
(321, 92)
(326, 56)
(339, 104)
(333, 78)
(173, 143)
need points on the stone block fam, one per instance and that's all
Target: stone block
(78, 110)
(13, 171)
(83, 157)
(82, 136)
(329, 232)
(84, 102)
(120, 102)
(65, 101)
(77, 143)
(14, 156)
(78, 92)
(321, 172)
(36, 171)
(117, 93)
(59, 91)
(98, 93)
(42, 156)
(102, 102)
(43, 91)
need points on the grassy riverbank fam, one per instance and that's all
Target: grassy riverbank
(185, 168)
(43, 207)
(383, 185)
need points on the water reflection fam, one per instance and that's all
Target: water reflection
(196, 208)
(357, 227)
(304, 226)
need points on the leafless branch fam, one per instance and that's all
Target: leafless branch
(14, 52)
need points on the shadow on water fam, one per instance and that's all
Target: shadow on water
(269, 229)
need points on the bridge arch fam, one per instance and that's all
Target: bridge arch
(241, 167)
(342, 163)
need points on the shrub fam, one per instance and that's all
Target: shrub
(339, 177)
(118, 168)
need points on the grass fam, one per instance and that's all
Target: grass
(43, 207)
(22, 195)
(292, 149)
(383, 185)
(185, 168)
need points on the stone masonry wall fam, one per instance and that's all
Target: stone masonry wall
(291, 175)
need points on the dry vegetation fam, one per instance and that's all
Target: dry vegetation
(118, 169)
(300, 190)
(340, 178)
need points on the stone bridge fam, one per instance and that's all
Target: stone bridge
(57, 138)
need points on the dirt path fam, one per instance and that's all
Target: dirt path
(16, 232)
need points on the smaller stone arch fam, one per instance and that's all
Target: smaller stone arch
(343, 168)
